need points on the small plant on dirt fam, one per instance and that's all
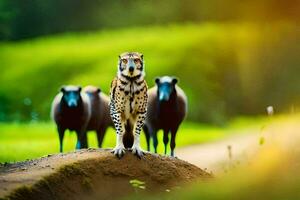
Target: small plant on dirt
(261, 140)
(137, 185)
(229, 150)
(270, 112)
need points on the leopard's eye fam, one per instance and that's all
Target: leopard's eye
(124, 61)
(136, 60)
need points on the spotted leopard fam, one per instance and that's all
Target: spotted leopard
(128, 103)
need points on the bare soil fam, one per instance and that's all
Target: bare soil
(93, 174)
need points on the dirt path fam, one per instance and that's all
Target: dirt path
(216, 156)
(238, 148)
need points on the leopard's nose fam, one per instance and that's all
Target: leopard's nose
(131, 68)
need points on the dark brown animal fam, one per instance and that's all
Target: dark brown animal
(100, 116)
(71, 109)
(167, 107)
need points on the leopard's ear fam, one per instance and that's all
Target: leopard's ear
(142, 56)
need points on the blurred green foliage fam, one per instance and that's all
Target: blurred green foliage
(226, 69)
(30, 18)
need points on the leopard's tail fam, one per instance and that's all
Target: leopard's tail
(128, 136)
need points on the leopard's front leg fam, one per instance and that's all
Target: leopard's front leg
(136, 148)
(119, 149)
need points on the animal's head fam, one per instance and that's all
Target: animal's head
(165, 87)
(131, 64)
(71, 95)
(92, 91)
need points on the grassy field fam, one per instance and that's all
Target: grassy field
(91, 58)
(20, 141)
(214, 58)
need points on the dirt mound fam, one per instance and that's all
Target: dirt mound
(94, 174)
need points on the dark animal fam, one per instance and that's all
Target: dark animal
(167, 107)
(100, 116)
(71, 109)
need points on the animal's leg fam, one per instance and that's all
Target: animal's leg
(136, 148)
(78, 143)
(81, 140)
(166, 139)
(119, 149)
(155, 141)
(61, 133)
(100, 135)
(173, 137)
(147, 134)
(84, 140)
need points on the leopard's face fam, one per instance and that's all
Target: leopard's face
(131, 64)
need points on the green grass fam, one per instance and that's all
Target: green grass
(91, 58)
(208, 58)
(25, 141)
(21, 141)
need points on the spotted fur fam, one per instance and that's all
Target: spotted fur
(128, 103)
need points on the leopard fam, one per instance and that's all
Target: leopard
(128, 103)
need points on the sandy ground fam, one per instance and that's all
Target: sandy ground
(93, 174)
(216, 156)
(26, 173)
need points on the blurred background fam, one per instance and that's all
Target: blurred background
(233, 58)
